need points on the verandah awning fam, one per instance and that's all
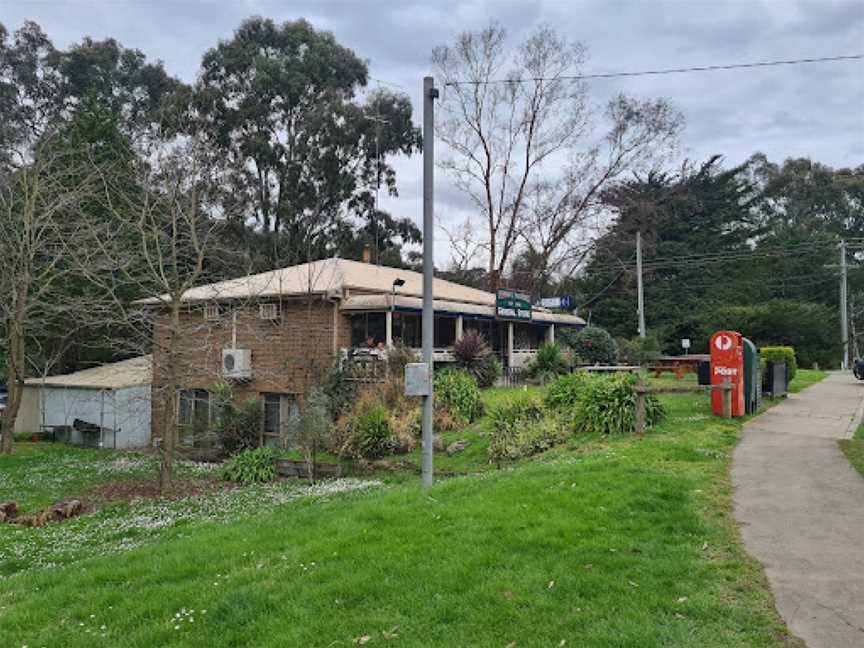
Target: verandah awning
(383, 302)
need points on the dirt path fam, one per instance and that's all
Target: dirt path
(801, 509)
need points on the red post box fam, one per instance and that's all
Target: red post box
(727, 361)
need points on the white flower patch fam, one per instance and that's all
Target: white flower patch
(123, 528)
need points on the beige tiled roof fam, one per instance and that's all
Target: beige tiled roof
(117, 375)
(336, 276)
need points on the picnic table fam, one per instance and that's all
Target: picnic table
(680, 365)
(609, 368)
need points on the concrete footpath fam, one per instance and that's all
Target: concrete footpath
(801, 508)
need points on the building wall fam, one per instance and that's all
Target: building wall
(288, 354)
(29, 414)
(130, 413)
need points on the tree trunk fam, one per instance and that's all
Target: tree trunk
(15, 369)
(169, 427)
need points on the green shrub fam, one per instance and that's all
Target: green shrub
(564, 392)
(521, 428)
(517, 411)
(607, 404)
(780, 354)
(250, 466)
(638, 351)
(457, 390)
(473, 354)
(594, 345)
(339, 389)
(373, 433)
(548, 363)
(238, 427)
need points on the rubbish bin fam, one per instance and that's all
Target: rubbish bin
(752, 378)
(704, 372)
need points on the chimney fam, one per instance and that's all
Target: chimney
(367, 254)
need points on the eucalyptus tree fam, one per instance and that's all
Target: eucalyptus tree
(280, 103)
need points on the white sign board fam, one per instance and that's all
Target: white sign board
(417, 381)
(685, 343)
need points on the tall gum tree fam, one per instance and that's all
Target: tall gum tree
(279, 103)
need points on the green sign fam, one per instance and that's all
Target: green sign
(513, 305)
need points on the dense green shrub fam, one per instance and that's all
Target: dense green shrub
(638, 351)
(339, 389)
(516, 442)
(780, 354)
(517, 411)
(373, 433)
(457, 390)
(594, 345)
(473, 354)
(523, 427)
(238, 427)
(564, 392)
(607, 404)
(548, 363)
(250, 466)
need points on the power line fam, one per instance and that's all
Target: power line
(700, 68)
(698, 260)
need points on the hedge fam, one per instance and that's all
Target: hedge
(780, 354)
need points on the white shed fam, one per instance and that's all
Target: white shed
(106, 407)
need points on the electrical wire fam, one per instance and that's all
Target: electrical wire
(699, 260)
(700, 68)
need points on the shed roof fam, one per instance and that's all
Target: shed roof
(334, 276)
(117, 375)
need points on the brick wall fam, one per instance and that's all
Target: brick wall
(289, 354)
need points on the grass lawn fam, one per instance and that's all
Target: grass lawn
(854, 449)
(804, 378)
(603, 542)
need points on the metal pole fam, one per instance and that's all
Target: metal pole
(429, 96)
(641, 296)
(844, 312)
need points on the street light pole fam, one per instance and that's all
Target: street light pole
(430, 93)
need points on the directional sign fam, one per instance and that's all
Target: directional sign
(561, 303)
(513, 305)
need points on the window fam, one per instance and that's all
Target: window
(279, 409)
(527, 337)
(268, 311)
(445, 332)
(368, 329)
(490, 330)
(211, 312)
(193, 414)
(407, 329)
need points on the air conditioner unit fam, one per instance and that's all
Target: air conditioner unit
(237, 364)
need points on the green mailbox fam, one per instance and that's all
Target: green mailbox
(752, 378)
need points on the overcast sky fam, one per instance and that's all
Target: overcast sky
(809, 110)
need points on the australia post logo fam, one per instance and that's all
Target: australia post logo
(725, 371)
(723, 342)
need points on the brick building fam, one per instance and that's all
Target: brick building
(273, 335)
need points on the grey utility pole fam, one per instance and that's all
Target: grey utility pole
(641, 295)
(430, 93)
(844, 311)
